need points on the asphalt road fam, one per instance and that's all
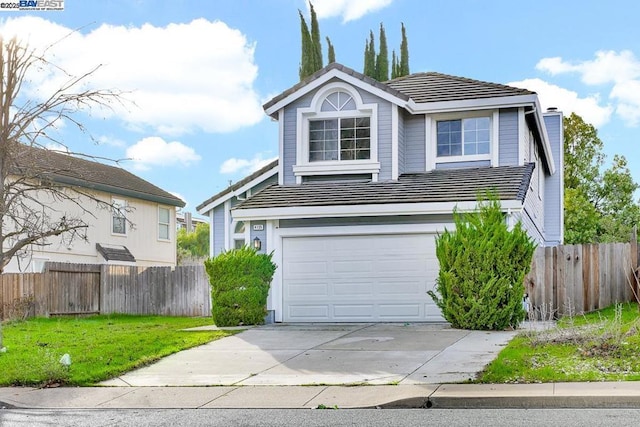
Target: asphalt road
(321, 417)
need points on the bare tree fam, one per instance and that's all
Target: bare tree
(31, 190)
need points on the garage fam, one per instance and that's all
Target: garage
(364, 278)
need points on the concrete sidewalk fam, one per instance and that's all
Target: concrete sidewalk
(328, 354)
(558, 395)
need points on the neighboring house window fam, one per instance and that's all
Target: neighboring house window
(340, 139)
(118, 217)
(164, 223)
(464, 137)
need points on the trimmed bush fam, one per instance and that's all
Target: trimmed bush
(482, 270)
(240, 281)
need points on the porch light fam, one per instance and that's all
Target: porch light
(257, 244)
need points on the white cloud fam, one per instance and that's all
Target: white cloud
(607, 67)
(181, 77)
(568, 101)
(155, 151)
(245, 166)
(621, 70)
(350, 10)
(111, 141)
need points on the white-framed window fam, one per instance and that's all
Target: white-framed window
(463, 137)
(340, 139)
(239, 233)
(164, 223)
(337, 134)
(118, 216)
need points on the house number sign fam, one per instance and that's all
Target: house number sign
(258, 227)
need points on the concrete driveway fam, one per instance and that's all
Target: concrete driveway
(328, 354)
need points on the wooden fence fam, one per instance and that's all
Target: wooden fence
(87, 288)
(575, 279)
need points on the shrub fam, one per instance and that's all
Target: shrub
(482, 269)
(240, 281)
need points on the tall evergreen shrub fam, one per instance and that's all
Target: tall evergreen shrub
(240, 281)
(482, 269)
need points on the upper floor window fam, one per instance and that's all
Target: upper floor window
(463, 137)
(118, 216)
(340, 139)
(164, 223)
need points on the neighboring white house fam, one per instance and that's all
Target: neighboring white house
(369, 173)
(144, 235)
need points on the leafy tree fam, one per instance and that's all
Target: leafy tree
(395, 65)
(307, 55)
(599, 204)
(30, 197)
(404, 54)
(482, 269)
(331, 53)
(382, 60)
(196, 242)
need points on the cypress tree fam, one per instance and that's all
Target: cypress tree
(395, 67)
(370, 57)
(330, 52)
(382, 61)
(306, 57)
(404, 55)
(315, 40)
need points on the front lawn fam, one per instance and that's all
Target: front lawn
(601, 346)
(101, 347)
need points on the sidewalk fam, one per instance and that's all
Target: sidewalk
(555, 395)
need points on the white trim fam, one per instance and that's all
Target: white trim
(303, 166)
(363, 210)
(238, 192)
(470, 104)
(495, 139)
(357, 230)
(394, 142)
(227, 224)
(335, 73)
(211, 235)
(340, 167)
(545, 138)
(494, 135)
(160, 239)
(522, 128)
(281, 146)
(275, 298)
(430, 150)
(121, 204)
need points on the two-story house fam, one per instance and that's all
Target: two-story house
(369, 173)
(133, 223)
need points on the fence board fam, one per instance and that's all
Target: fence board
(582, 278)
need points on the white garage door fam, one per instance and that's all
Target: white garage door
(359, 278)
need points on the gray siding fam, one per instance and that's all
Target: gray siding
(553, 207)
(267, 182)
(533, 216)
(415, 143)
(374, 220)
(218, 230)
(529, 226)
(461, 165)
(508, 137)
(260, 234)
(288, 156)
(384, 133)
(401, 144)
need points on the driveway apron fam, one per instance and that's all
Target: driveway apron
(328, 354)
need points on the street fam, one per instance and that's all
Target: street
(320, 417)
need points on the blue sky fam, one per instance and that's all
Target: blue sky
(196, 73)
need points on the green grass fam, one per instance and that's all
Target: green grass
(101, 347)
(601, 346)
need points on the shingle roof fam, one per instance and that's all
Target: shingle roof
(115, 253)
(420, 87)
(450, 185)
(238, 184)
(434, 87)
(69, 170)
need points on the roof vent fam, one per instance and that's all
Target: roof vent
(552, 109)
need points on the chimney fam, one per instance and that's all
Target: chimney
(187, 222)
